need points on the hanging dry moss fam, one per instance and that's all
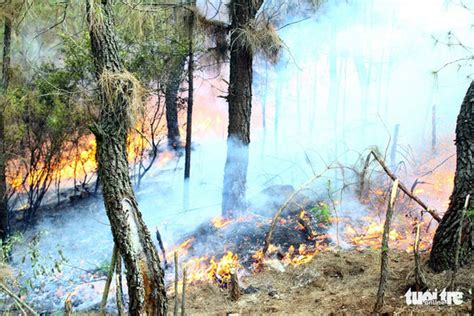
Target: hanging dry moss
(125, 85)
(260, 36)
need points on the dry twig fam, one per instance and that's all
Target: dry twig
(18, 300)
(105, 295)
(431, 211)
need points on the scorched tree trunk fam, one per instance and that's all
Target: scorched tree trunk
(445, 239)
(240, 107)
(146, 289)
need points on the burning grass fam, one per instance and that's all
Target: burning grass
(324, 250)
(332, 283)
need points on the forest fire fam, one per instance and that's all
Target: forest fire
(220, 270)
(370, 237)
(356, 232)
(78, 163)
(282, 175)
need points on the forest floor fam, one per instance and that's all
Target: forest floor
(342, 283)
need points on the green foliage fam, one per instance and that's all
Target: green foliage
(470, 212)
(151, 44)
(52, 98)
(321, 212)
(41, 264)
(7, 247)
(77, 59)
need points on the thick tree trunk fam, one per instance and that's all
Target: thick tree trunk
(146, 289)
(171, 97)
(4, 215)
(240, 107)
(445, 239)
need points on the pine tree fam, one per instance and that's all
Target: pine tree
(118, 95)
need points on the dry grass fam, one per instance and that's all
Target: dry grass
(336, 284)
(6, 273)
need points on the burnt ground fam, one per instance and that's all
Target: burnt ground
(342, 283)
(244, 235)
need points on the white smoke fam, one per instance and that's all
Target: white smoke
(349, 74)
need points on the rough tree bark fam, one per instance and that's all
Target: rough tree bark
(444, 242)
(146, 289)
(240, 107)
(4, 216)
(171, 97)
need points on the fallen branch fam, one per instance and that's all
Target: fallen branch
(458, 243)
(385, 248)
(105, 295)
(402, 187)
(18, 300)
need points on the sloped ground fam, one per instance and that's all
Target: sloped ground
(337, 284)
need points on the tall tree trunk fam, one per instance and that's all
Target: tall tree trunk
(240, 106)
(4, 216)
(171, 97)
(146, 289)
(189, 115)
(445, 241)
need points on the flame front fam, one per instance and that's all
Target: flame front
(219, 271)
